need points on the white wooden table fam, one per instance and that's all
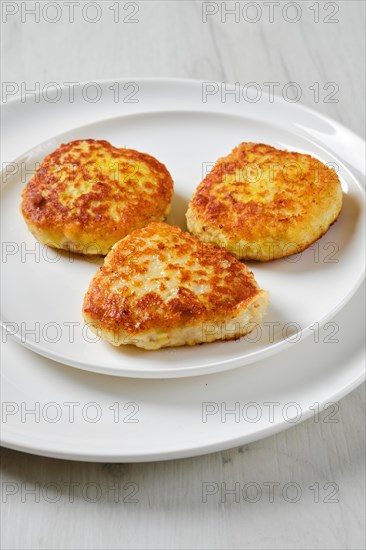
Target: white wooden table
(320, 47)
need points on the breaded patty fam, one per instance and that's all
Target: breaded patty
(87, 195)
(263, 203)
(161, 287)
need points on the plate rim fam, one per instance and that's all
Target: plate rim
(19, 443)
(178, 80)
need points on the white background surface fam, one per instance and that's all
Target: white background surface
(170, 39)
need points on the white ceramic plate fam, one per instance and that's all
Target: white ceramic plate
(43, 290)
(126, 420)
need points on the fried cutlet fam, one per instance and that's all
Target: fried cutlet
(162, 287)
(263, 203)
(87, 195)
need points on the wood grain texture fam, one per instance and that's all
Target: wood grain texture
(171, 39)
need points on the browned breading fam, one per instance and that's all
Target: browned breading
(161, 287)
(87, 195)
(263, 203)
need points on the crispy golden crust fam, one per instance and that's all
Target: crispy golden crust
(263, 203)
(158, 284)
(87, 195)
